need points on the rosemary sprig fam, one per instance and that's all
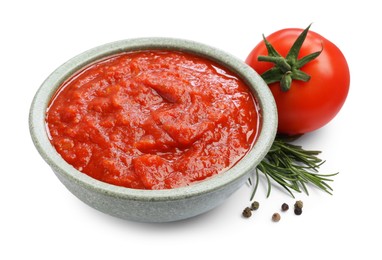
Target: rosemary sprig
(293, 168)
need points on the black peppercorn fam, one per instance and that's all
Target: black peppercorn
(297, 211)
(299, 204)
(276, 217)
(247, 212)
(255, 205)
(284, 207)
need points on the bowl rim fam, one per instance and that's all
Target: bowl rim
(258, 87)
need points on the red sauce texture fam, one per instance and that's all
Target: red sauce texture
(153, 119)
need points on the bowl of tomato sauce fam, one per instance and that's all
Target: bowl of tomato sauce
(153, 129)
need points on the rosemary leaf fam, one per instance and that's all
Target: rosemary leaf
(293, 168)
(256, 184)
(302, 183)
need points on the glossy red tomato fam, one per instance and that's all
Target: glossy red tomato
(306, 106)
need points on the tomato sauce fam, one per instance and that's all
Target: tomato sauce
(153, 119)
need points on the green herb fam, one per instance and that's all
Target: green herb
(292, 167)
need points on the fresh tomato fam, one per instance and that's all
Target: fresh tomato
(309, 103)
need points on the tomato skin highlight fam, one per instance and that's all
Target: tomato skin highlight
(306, 106)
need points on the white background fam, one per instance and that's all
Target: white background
(40, 219)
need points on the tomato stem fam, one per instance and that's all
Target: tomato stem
(286, 81)
(287, 69)
(279, 61)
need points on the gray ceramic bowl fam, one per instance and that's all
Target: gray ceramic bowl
(153, 205)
